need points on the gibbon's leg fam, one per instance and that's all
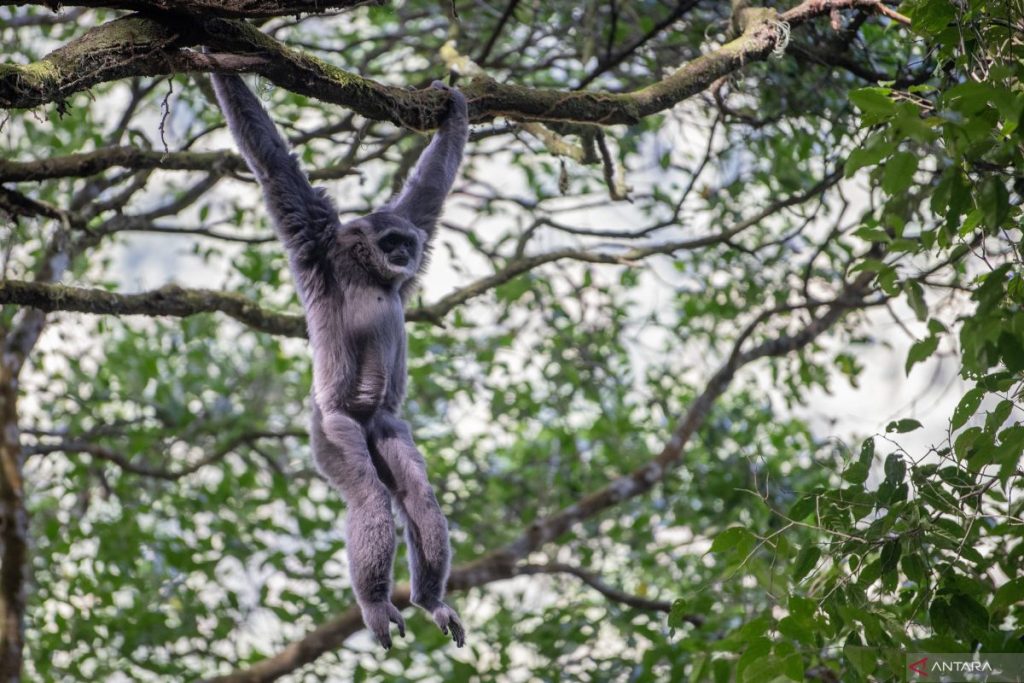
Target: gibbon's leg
(370, 527)
(426, 529)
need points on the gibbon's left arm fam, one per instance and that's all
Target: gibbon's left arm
(301, 213)
(427, 186)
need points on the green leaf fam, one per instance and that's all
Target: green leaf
(791, 663)
(965, 442)
(941, 616)
(796, 629)
(865, 156)
(895, 468)
(966, 408)
(803, 507)
(916, 300)
(873, 101)
(929, 17)
(514, 289)
(898, 173)
(734, 538)
(1010, 593)
(872, 234)
(863, 659)
(890, 556)
(994, 200)
(921, 351)
(805, 562)
(867, 452)
(678, 613)
(914, 568)
(757, 649)
(970, 618)
(856, 473)
(903, 426)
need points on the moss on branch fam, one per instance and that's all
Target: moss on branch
(130, 46)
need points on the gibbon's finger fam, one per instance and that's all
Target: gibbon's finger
(396, 618)
(458, 633)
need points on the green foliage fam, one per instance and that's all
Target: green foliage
(193, 537)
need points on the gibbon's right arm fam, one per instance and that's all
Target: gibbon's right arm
(300, 212)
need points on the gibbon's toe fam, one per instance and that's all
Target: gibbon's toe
(378, 617)
(396, 618)
(448, 621)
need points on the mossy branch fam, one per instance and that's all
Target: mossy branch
(170, 300)
(158, 45)
(252, 9)
(85, 164)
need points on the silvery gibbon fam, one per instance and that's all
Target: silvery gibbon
(353, 280)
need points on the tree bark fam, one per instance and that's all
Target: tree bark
(13, 530)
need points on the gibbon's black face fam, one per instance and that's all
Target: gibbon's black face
(395, 246)
(400, 247)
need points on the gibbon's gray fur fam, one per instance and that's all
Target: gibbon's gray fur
(354, 280)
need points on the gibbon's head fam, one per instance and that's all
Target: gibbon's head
(388, 247)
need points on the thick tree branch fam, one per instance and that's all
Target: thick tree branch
(252, 9)
(170, 300)
(17, 204)
(16, 342)
(144, 46)
(85, 164)
(90, 163)
(502, 563)
(14, 540)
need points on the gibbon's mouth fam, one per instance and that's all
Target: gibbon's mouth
(399, 259)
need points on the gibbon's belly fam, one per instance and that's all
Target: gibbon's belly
(374, 341)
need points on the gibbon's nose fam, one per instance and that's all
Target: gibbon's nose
(393, 241)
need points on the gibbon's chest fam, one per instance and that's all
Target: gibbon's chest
(373, 317)
(350, 319)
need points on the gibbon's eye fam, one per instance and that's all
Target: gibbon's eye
(395, 241)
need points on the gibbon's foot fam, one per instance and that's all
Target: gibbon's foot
(378, 617)
(448, 621)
